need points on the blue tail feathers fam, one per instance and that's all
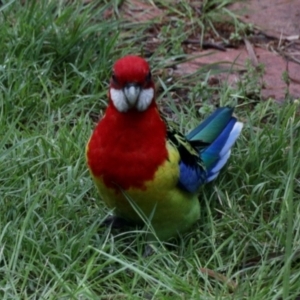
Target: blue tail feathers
(220, 130)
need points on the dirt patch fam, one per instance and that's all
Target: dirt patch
(232, 65)
(274, 43)
(278, 18)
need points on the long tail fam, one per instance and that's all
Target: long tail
(220, 131)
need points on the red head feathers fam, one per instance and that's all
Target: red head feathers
(131, 85)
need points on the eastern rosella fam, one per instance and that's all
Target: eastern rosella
(134, 156)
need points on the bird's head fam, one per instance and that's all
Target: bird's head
(131, 85)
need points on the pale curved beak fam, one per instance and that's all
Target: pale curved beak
(131, 92)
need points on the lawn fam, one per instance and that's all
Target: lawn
(55, 64)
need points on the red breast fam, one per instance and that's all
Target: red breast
(126, 149)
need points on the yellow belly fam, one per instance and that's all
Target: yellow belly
(170, 209)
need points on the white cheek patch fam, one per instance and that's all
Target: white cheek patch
(121, 104)
(119, 100)
(145, 99)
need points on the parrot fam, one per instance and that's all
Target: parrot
(143, 168)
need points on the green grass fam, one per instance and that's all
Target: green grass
(54, 71)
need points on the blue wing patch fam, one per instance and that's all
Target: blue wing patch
(205, 150)
(192, 173)
(212, 140)
(191, 177)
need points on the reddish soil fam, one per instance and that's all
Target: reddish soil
(273, 42)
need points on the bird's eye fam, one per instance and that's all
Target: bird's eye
(148, 77)
(114, 78)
